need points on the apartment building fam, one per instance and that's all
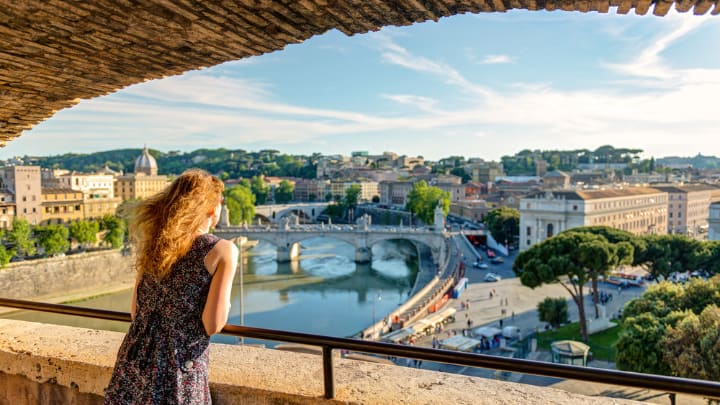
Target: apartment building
(24, 183)
(689, 209)
(310, 189)
(714, 222)
(638, 210)
(368, 189)
(7, 210)
(61, 206)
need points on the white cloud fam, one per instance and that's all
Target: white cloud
(649, 64)
(496, 59)
(204, 110)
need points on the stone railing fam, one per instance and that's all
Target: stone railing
(65, 275)
(42, 363)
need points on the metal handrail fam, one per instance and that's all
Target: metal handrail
(329, 343)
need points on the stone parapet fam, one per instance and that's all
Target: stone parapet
(65, 275)
(42, 363)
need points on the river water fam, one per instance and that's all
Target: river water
(325, 292)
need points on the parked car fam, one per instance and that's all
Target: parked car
(497, 260)
(492, 277)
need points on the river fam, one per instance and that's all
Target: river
(325, 292)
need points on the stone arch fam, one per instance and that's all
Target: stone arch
(148, 40)
(263, 219)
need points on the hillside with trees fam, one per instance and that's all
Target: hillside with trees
(223, 162)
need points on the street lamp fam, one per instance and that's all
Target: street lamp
(374, 329)
(242, 305)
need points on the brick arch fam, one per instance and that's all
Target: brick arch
(55, 53)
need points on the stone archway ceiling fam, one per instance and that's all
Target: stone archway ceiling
(55, 52)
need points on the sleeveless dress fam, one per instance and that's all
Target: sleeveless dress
(164, 356)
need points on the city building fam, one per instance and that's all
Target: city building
(714, 221)
(143, 182)
(97, 190)
(555, 179)
(395, 192)
(638, 210)
(24, 183)
(689, 209)
(483, 172)
(471, 210)
(7, 209)
(61, 206)
(368, 189)
(310, 189)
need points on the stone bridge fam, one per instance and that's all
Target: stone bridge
(304, 211)
(288, 238)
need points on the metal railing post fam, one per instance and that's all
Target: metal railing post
(328, 372)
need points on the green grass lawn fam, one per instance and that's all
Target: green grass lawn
(601, 344)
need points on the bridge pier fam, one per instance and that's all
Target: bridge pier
(363, 255)
(289, 252)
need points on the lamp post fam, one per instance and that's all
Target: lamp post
(374, 329)
(242, 305)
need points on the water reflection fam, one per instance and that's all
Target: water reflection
(325, 292)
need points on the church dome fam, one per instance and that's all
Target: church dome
(145, 163)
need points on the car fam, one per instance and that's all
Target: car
(477, 263)
(492, 277)
(497, 260)
(482, 266)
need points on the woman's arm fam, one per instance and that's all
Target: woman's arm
(221, 262)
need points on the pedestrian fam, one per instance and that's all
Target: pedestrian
(467, 304)
(490, 294)
(501, 323)
(181, 295)
(512, 316)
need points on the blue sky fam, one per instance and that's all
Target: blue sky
(481, 85)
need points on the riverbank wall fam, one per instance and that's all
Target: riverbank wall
(63, 276)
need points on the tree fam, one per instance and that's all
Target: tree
(504, 224)
(260, 189)
(284, 192)
(20, 237)
(53, 238)
(638, 346)
(5, 256)
(84, 232)
(553, 311)
(352, 196)
(692, 347)
(667, 254)
(568, 259)
(115, 227)
(240, 202)
(654, 321)
(601, 257)
(423, 199)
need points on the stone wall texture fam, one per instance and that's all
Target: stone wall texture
(75, 364)
(53, 53)
(65, 275)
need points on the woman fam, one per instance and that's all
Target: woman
(181, 295)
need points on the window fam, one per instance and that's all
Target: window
(529, 231)
(550, 230)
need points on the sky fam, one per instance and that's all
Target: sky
(476, 85)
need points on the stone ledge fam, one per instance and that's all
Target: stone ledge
(50, 358)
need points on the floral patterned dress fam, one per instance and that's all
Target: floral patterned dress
(164, 356)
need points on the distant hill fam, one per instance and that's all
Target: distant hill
(223, 162)
(698, 162)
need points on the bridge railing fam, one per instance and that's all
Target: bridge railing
(328, 344)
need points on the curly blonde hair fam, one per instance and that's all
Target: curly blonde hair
(163, 226)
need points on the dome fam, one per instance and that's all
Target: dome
(145, 163)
